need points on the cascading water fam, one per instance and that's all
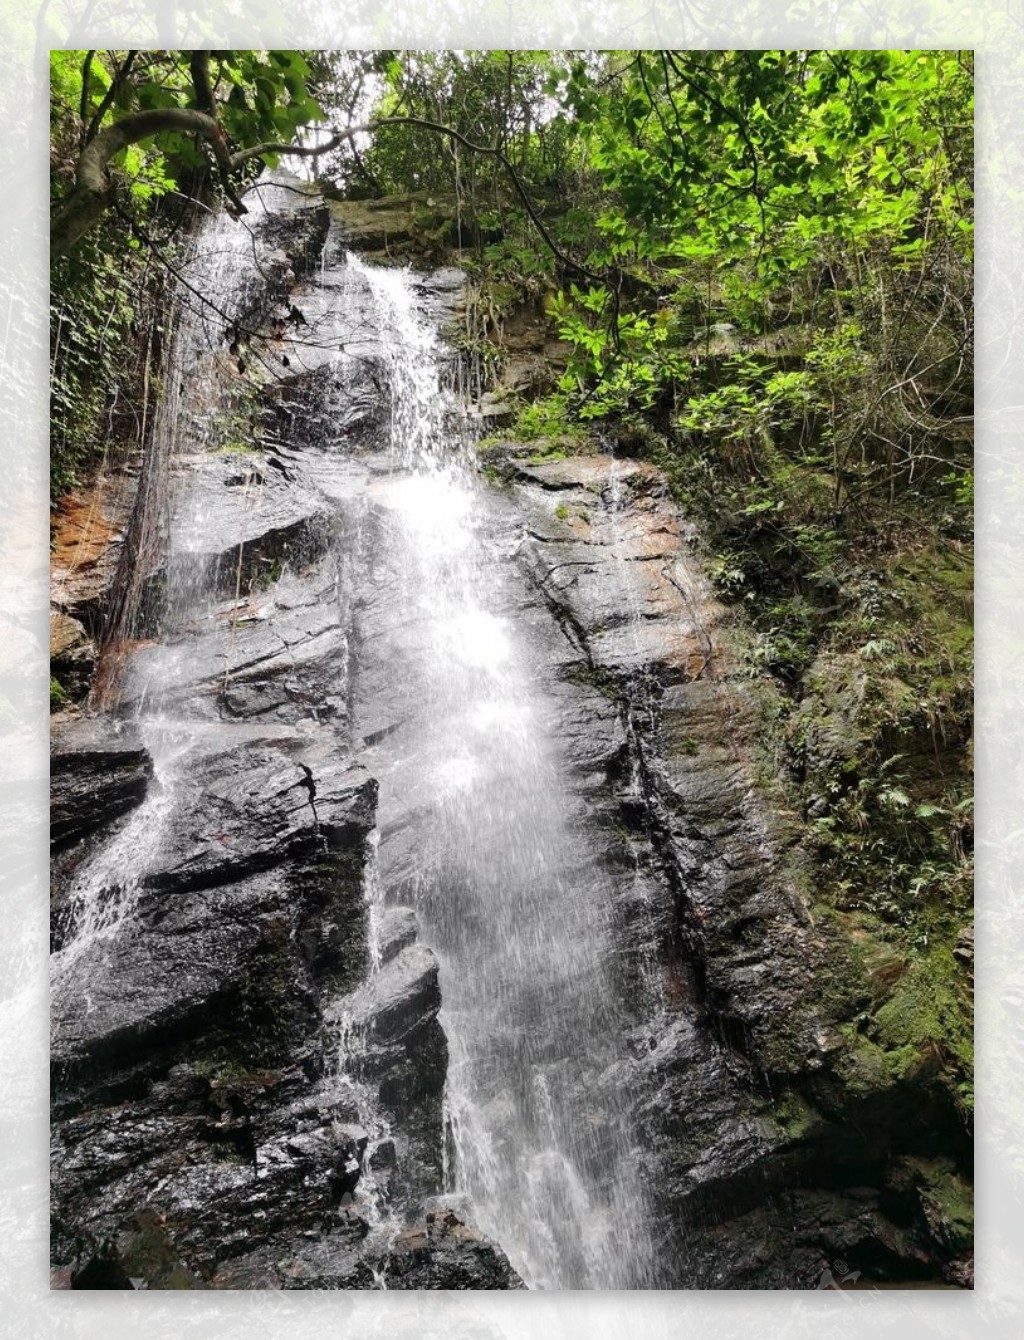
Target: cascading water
(539, 1144)
(105, 892)
(216, 273)
(537, 1097)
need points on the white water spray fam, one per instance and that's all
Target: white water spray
(536, 1099)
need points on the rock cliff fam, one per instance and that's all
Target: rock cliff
(238, 1100)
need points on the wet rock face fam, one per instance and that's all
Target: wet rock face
(742, 1071)
(390, 1031)
(396, 223)
(610, 558)
(224, 1165)
(88, 531)
(447, 1254)
(199, 1083)
(91, 788)
(255, 520)
(241, 918)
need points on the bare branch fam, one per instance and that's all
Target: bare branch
(303, 150)
(83, 106)
(199, 69)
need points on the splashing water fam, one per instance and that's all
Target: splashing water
(515, 906)
(105, 893)
(221, 266)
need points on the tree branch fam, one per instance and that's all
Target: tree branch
(303, 150)
(91, 192)
(83, 106)
(199, 69)
(120, 75)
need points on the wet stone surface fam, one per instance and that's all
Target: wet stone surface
(240, 1102)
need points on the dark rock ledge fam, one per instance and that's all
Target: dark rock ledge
(775, 1146)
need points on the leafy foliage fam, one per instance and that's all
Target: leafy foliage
(256, 97)
(105, 327)
(772, 299)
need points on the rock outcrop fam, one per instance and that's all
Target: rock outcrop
(447, 1254)
(243, 1097)
(92, 787)
(754, 1079)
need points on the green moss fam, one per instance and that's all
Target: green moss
(427, 220)
(562, 512)
(947, 1201)
(497, 476)
(267, 1010)
(58, 694)
(846, 989)
(927, 1009)
(929, 1006)
(867, 1068)
(219, 1064)
(266, 572)
(593, 677)
(952, 1196)
(147, 1251)
(794, 1115)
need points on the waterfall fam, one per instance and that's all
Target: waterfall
(540, 1146)
(219, 270)
(539, 1149)
(419, 920)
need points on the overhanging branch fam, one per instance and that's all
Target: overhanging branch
(91, 192)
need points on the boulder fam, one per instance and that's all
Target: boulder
(447, 1254)
(394, 1003)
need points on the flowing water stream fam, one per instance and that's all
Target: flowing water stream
(537, 1099)
(216, 274)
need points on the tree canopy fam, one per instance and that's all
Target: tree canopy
(162, 117)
